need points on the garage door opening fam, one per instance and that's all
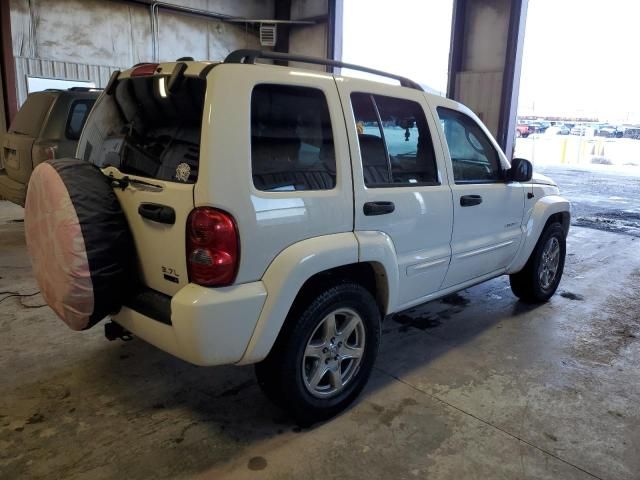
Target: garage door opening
(579, 107)
(407, 37)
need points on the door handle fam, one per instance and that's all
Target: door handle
(470, 200)
(157, 213)
(378, 208)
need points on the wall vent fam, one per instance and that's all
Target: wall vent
(268, 34)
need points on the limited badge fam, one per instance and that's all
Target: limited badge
(183, 170)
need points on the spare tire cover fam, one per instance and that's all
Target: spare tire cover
(79, 242)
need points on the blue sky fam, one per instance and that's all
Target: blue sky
(580, 57)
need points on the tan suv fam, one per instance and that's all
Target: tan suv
(47, 126)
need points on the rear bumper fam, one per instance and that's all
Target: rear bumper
(11, 190)
(209, 326)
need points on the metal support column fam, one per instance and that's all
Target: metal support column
(485, 60)
(8, 97)
(282, 11)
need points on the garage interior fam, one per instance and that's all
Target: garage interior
(474, 385)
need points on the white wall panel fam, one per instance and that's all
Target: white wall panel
(88, 39)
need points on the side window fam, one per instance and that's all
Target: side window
(77, 117)
(474, 158)
(395, 143)
(291, 139)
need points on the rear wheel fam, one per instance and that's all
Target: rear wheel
(324, 355)
(540, 277)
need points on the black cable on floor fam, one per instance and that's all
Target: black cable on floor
(22, 295)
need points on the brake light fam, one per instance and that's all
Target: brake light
(144, 70)
(213, 251)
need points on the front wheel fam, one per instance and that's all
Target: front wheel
(540, 277)
(324, 355)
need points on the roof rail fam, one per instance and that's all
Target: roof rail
(84, 89)
(250, 56)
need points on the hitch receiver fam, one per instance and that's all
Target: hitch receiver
(113, 331)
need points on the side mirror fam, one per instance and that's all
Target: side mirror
(521, 170)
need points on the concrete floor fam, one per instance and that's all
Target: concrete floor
(475, 386)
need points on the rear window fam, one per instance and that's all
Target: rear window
(291, 139)
(159, 133)
(28, 121)
(78, 114)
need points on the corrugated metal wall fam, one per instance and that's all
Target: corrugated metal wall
(38, 67)
(88, 39)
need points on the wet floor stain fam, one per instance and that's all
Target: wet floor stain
(235, 390)
(420, 322)
(36, 418)
(571, 296)
(257, 463)
(386, 415)
(617, 221)
(455, 299)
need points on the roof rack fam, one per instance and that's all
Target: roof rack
(84, 89)
(250, 56)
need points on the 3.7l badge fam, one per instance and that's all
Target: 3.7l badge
(170, 274)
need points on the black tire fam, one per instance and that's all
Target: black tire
(281, 375)
(526, 284)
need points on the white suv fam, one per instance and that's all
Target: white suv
(279, 214)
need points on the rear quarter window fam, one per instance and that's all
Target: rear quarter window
(291, 139)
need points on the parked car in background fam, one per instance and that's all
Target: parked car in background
(557, 129)
(609, 131)
(522, 130)
(47, 126)
(632, 132)
(582, 130)
(539, 126)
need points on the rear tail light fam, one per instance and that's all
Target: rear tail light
(144, 70)
(213, 251)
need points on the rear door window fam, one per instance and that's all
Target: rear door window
(291, 139)
(396, 147)
(78, 114)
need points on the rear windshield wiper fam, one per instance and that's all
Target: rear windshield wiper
(125, 181)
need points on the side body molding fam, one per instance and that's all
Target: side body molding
(286, 275)
(539, 214)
